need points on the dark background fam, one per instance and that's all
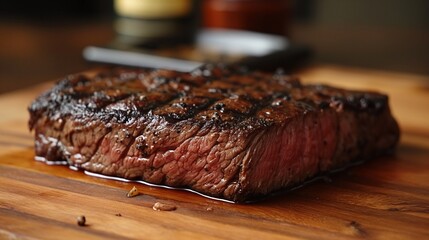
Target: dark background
(43, 40)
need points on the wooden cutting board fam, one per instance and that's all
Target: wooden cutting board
(387, 198)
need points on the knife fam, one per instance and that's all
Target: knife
(260, 51)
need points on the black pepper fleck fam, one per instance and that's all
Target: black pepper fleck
(81, 221)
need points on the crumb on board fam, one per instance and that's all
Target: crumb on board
(133, 192)
(163, 207)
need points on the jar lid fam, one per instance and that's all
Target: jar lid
(153, 8)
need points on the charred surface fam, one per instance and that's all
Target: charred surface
(210, 93)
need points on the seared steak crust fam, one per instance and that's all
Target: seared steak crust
(226, 133)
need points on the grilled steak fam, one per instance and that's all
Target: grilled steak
(222, 132)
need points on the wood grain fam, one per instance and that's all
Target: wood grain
(387, 198)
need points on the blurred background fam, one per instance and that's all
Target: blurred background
(43, 40)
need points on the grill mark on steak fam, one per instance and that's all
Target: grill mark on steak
(222, 132)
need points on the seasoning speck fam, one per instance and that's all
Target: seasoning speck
(209, 209)
(81, 221)
(163, 207)
(118, 215)
(133, 192)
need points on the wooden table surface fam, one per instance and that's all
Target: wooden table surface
(387, 198)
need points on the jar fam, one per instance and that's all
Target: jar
(267, 16)
(156, 23)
